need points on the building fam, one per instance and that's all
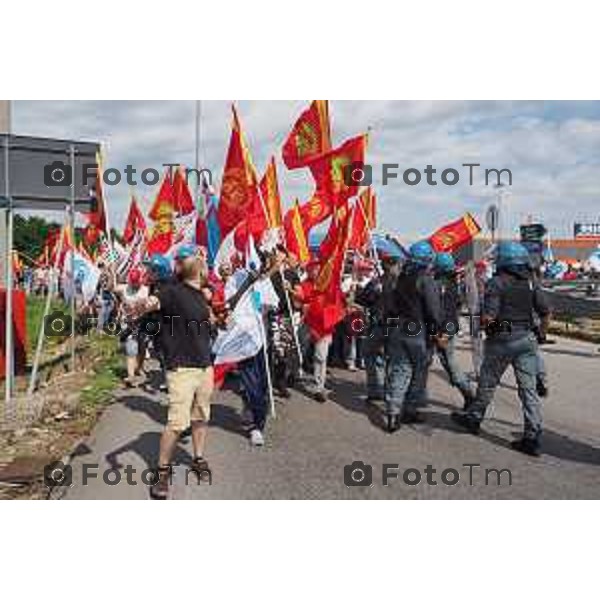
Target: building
(574, 249)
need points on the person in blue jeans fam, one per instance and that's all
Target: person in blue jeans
(445, 278)
(253, 376)
(512, 300)
(413, 314)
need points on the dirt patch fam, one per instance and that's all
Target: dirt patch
(49, 425)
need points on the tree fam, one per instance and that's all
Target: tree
(30, 234)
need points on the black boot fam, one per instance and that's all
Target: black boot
(541, 387)
(468, 397)
(393, 423)
(527, 445)
(464, 420)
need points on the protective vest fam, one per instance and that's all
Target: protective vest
(516, 301)
(407, 302)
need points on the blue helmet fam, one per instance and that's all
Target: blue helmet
(160, 266)
(186, 251)
(421, 253)
(444, 263)
(511, 254)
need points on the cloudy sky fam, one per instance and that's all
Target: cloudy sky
(552, 149)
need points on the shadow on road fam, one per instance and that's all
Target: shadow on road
(578, 353)
(227, 418)
(146, 447)
(344, 394)
(149, 406)
(553, 443)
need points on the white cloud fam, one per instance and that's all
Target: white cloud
(552, 148)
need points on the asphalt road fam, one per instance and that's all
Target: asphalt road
(309, 444)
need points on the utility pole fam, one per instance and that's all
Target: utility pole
(5, 127)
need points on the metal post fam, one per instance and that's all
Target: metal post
(9, 362)
(197, 158)
(49, 297)
(500, 197)
(72, 232)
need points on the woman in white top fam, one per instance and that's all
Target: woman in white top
(129, 294)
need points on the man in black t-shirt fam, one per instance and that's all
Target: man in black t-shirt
(185, 343)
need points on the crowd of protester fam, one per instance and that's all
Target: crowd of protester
(394, 318)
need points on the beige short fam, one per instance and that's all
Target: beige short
(190, 391)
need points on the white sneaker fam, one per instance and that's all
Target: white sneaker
(256, 438)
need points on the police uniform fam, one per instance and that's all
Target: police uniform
(450, 303)
(415, 309)
(512, 299)
(377, 298)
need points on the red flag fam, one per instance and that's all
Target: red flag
(338, 174)
(67, 245)
(184, 204)
(255, 224)
(315, 211)
(310, 136)
(239, 185)
(97, 219)
(295, 238)
(327, 309)
(165, 199)
(135, 222)
(269, 191)
(330, 276)
(455, 235)
(160, 242)
(338, 221)
(363, 220)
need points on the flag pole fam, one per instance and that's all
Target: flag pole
(263, 334)
(102, 199)
(199, 199)
(285, 291)
(371, 239)
(49, 296)
(8, 336)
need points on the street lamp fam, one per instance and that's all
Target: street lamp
(503, 216)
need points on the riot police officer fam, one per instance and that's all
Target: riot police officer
(444, 269)
(413, 314)
(375, 297)
(512, 299)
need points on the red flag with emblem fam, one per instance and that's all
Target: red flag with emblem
(269, 191)
(338, 174)
(310, 137)
(165, 199)
(327, 309)
(239, 185)
(135, 221)
(184, 204)
(295, 238)
(454, 235)
(315, 211)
